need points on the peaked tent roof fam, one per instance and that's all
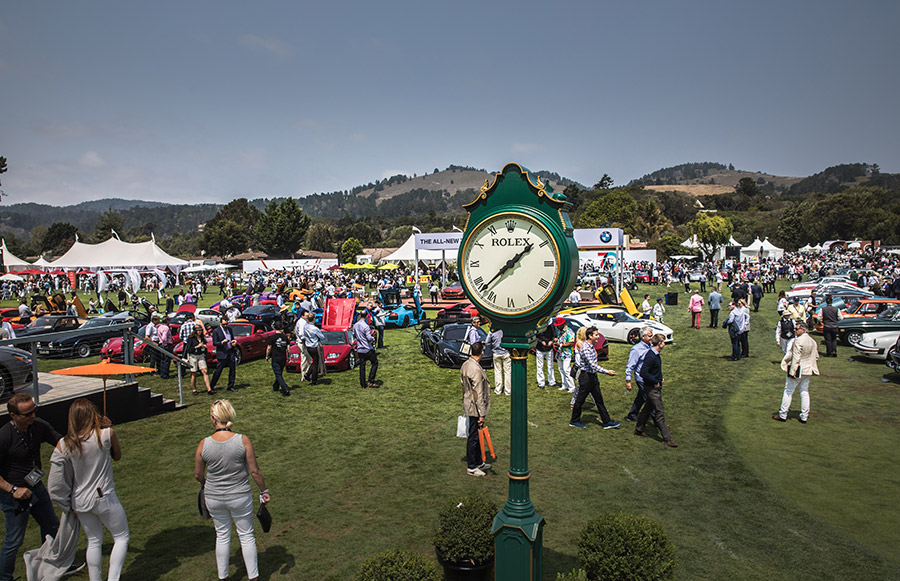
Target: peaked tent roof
(407, 253)
(114, 253)
(755, 246)
(41, 261)
(9, 259)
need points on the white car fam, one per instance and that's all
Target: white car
(696, 276)
(876, 344)
(618, 325)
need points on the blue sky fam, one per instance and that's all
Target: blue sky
(207, 101)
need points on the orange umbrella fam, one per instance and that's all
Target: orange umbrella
(103, 369)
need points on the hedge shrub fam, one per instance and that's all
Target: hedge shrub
(621, 546)
(398, 566)
(464, 530)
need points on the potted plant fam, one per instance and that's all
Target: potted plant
(463, 541)
(397, 566)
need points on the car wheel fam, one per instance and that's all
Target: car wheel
(405, 322)
(237, 356)
(83, 350)
(634, 336)
(854, 337)
(5, 384)
(422, 347)
(351, 360)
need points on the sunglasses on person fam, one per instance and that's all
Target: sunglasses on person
(27, 414)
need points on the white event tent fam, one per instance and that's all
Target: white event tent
(114, 254)
(720, 251)
(10, 260)
(761, 249)
(407, 254)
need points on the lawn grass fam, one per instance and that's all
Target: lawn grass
(354, 472)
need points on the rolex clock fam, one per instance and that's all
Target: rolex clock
(518, 260)
(510, 263)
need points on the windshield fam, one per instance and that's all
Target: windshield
(334, 338)
(97, 322)
(241, 330)
(459, 333)
(888, 314)
(42, 323)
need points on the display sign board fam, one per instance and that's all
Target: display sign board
(438, 241)
(594, 237)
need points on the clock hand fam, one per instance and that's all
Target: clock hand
(509, 264)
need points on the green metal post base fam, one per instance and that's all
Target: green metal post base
(518, 544)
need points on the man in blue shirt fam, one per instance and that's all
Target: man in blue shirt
(365, 349)
(633, 369)
(715, 305)
(651, 373)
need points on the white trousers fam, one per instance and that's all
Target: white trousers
(790, 385)
(565, 369)
(502, 371)
(107, 512)
(239, 510)
(545, 358)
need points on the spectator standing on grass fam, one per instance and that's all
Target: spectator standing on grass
(695, 306)
(195, 350)
(831, 315)
(588, 384)
(433, 290)
(733, 324)
(565, 352)
(784, 332)
(756, 293)
(312, 339)
(223, 464)
(645, 307)
(651, 373)
(659, 310)
(164, 332)
(502, 362)
(715, 305)
(745, 328)
(151, 335)
(800, 364)
(365, 350)
(543, 352)
(633, 372)
(299, 327)
(378, 315)
(476, 392)
(90, 446)
(276, 353)
(226, 355)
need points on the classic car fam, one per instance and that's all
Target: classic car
(252, 341)
(828, 289)
(458, 313)
(453, 292)
(398, 314)
(261, 315)
(444, 345)
(50, 324)
(851, 331)
(601, 346)
(893, 356)
(642, 277)
(112, 348)
(876, 344)
(617, 325)
(11, 316)
(90, 338)
(339, 344)
(857, 308)
(15, 371)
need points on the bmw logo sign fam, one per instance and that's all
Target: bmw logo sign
(605, 236)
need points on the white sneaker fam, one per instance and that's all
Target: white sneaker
(497, 391)
(474, 472)
(564, 388)
(484, 466)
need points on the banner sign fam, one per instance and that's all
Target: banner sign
(438, 241)
(594, 237)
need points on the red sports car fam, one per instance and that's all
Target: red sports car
(251, 343)
(453, 292)
(112, 348)
(339, 344)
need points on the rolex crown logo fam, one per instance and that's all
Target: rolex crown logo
(510, 225)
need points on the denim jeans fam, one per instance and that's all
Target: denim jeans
(43, 513)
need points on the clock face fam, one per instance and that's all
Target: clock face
(510, 263)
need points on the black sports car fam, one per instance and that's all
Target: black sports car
(444, 345)
(91, 337)
(15, 371)
(262, 315)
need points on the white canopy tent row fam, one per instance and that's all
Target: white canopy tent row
(720, 251)
(115, 254)
(761, 250)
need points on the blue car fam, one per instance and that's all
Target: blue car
(398, 314)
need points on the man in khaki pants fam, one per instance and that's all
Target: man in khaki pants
(476, 393)
(800, 364)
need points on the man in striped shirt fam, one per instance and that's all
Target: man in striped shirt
(588, 384)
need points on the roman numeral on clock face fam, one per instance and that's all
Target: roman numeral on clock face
(492, 296)
(492, 229)
(544, 243)
(510, 303)
(474, 264)
(544, 283)
(548, 263)
(478, 281)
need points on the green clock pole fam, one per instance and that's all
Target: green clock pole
(518, 528)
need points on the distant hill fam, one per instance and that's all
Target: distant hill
(709, 178)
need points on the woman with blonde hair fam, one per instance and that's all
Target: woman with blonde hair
(90, 445)
(223, 464)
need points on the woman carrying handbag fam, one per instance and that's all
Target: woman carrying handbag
(223, 465)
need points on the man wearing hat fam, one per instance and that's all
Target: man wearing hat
(784, 331)
(796, 310)
(543, 351)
